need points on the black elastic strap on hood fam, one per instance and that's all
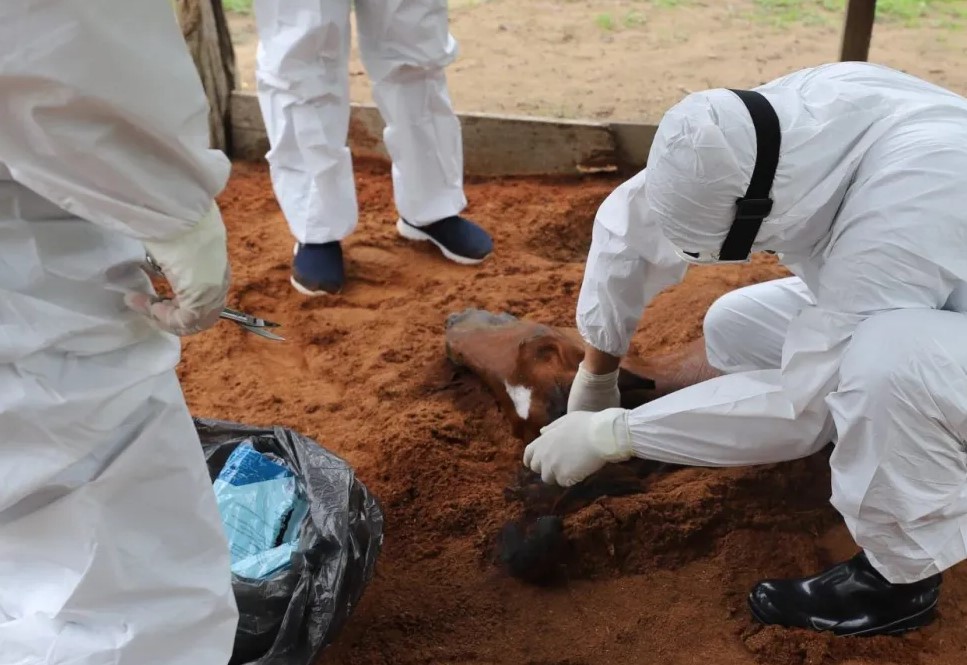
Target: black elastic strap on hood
(756, 205)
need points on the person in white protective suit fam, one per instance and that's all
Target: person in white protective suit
(302, 78)
(111, 545)
(854, 174)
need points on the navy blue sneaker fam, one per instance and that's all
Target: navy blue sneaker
(318, 269)
(459, 239)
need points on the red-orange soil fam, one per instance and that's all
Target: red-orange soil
(657, 578)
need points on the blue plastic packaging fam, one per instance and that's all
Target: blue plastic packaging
(258, 498)
(290, 616)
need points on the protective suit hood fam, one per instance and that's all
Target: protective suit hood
(703, 154)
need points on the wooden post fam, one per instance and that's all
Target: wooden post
(206, 32)
(858, 30)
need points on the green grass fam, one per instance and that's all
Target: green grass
(630, 20)
(948, 14)
(633, 19)
(945, 13)
(237, 6)
(605, 21)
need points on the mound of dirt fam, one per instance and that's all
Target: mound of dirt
(658, 578)
(564, 233)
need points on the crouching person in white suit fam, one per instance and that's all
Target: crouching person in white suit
(854, 175)
(111, 545)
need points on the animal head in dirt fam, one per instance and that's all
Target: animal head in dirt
(528, 366)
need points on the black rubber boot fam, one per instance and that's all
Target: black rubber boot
(851, 598)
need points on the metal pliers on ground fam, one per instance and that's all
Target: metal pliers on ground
(253, 324)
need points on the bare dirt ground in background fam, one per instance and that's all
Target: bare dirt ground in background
(632, 59)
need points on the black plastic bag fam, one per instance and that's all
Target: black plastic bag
(288, 618)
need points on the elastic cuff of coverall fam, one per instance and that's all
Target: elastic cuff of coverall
(587, 378)
(894, 575)
(610, 435)
(603, 342)
(452, 203)
(203, 231)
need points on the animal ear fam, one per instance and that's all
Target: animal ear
(544, 348)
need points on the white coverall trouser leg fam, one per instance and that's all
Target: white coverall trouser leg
(303, 87)
(112, 550)
(899, 467)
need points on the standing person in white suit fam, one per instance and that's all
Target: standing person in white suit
(854, 174)
(111, 545)
(303, 89)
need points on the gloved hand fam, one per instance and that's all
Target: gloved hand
(593, 392)
(576, 445)
(196, 266)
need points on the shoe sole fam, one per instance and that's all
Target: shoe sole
(898, 627)
(411, 233)
(306, 291)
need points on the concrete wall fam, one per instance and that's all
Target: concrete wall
(493, 145)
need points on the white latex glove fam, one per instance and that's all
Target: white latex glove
(593, 392)
(576, 445)
(195, 264)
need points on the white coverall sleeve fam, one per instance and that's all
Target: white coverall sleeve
(629, 263)
(127, 150)
(774, 415)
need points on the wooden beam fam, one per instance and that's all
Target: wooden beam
(858, 30)
(205, 29)
(493, 145)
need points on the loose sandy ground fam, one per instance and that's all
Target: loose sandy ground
(659, 578)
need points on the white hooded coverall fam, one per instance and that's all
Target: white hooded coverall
(865, 347)
(112, 551)
(303, 87)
